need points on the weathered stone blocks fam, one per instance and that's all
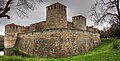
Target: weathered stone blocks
(57, 44)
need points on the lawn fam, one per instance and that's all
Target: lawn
(104, 52)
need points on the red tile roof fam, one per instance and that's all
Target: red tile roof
(12, 24)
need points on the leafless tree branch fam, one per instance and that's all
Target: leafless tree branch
(21, 5)
(102, 9)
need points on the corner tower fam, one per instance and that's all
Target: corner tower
(79, 22)
(56, 16)
(11, 33)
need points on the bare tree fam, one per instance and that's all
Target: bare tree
(106, 10)
(22, 6)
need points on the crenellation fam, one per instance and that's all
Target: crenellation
(79, 22)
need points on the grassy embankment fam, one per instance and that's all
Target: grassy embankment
(104, 52)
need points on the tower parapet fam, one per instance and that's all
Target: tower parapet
(56, 16)
(79, 22)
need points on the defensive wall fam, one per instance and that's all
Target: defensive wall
(57, 42)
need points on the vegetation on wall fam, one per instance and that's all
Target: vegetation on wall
(1, 47)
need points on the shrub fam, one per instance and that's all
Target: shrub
(115, 43)
(1, 47)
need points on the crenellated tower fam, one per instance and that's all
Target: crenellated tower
(79, 22)
(11, 32)
(56, 16)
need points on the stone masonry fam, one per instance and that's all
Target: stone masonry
(55, 37)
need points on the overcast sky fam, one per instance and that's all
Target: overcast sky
(74, 7)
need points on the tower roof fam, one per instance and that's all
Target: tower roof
(12, 24)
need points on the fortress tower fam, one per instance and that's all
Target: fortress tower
(56, 16)
(79, 22)
(10, 35)
(11, 32)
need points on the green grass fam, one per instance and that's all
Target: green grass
(104, 52)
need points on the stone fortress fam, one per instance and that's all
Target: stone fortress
(55, 37)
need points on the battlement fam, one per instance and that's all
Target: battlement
(78, 17)
(56, 16)
(92, 29)
(13, 28)
(79, 22)
(56, 6)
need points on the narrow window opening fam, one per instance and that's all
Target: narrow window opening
(61, 30)
(12, 36)
(16, 27)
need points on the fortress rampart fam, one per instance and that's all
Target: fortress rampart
(57, 42)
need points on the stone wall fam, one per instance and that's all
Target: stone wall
(56, 16)
(10, 40)
(57, 42)
(70, 25)
(37, 26)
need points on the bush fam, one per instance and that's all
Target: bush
(115, 43)
(1, 47)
